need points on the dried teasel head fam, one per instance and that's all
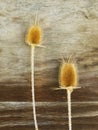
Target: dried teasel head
(34, 35)
(68, 74)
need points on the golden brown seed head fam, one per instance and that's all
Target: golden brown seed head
(34, 35)
(68, 75)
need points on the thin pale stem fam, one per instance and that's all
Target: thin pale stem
(69, 108)
(33, 92)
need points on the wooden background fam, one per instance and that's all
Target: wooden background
(70, 27)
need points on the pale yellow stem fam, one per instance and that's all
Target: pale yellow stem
(33, 91)
(69, 108)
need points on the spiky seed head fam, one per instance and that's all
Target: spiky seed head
(68, 75)
(34, 35)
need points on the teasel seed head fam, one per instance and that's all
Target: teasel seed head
(34, 35)
(68, 75)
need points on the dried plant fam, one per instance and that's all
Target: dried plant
(68, 79)
(33, 39)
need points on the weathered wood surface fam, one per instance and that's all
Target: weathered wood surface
(51, 115)
(70, 26)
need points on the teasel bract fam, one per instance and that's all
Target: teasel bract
(68, 79)
(33, 38)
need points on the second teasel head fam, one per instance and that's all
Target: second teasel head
(68, 74)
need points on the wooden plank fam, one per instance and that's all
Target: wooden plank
(18, 115)
(69, 27)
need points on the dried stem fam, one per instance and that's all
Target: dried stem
(33, 92)
(69, 108)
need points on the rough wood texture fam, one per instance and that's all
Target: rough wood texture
(70, 27)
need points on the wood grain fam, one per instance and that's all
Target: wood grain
(18, 115)
(69, 27)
